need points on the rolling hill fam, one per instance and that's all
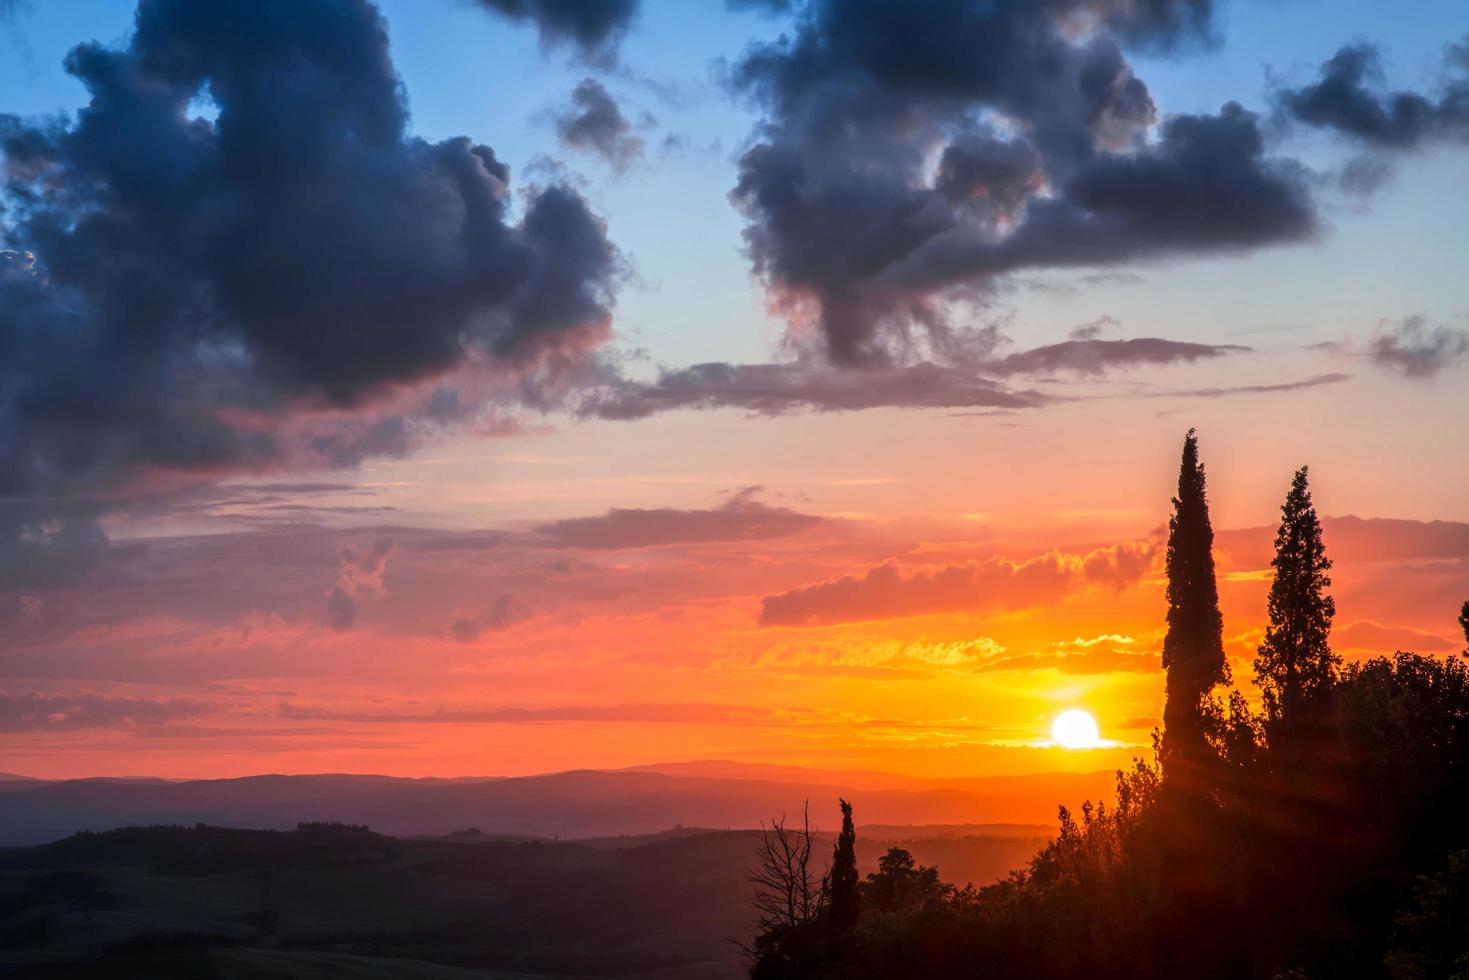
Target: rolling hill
(577, 804)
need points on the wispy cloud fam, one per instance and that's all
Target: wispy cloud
(678, 714)
(783, 388)
(33, 712)
(361, 576)
(593, 123)
(1414, 349)
(742, 518)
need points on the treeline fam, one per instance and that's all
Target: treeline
(1322, 836)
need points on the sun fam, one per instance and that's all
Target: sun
(1076, 729)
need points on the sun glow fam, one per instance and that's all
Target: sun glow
(1076, 729)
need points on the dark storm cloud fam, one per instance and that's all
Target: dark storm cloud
(593, 27)
(1414, 349)
(742, 518)
(594, 123)
(1159, 24)
(33, 712)
(1351, 98)
(1042, 149)
(173, 287)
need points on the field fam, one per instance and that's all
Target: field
(335, 901)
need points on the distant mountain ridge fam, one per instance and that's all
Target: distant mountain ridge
(575, 804)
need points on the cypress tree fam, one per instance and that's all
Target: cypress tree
(1464, 624)
(1193, 650)
(1295, 665)
(842, 900)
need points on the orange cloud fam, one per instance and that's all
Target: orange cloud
(884, 592)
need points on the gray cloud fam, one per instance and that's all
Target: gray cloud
(885, 592)
(594, 123)
(505, 613)
(845, 223)
(1092, 330)
(1415, 350)
(33, 712)
(742, 518)
(673, 713)
(180, 295)
(777, 389)
(973, 379)
(1350, 98)
(594, 28)
(1265, 389)
(45, 544)
(361, 576)
(1088, 355)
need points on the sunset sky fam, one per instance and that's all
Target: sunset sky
(787, 382)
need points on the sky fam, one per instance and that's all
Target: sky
(492, 387)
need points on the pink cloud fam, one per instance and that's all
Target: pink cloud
(885, 592)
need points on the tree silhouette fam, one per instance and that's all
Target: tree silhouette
(1234, 731)
(1295, 667)
(901, 884)
(1340, 851)
(842, 903)
(789, 900)
(1193, 650)
(1464, 624)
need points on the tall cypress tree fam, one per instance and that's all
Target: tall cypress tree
(1464, 624)
(842, 906)
(1295, 666)
(1193, 650)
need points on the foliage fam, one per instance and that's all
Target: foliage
(1334, 847)
(901, 885)
(1295, 667)
(843, 901)
(1193, 648)
(1432, 937)
(1234, 732)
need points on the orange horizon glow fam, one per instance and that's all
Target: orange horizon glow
(758, 650)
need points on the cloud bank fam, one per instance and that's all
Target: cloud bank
(185, 296)
(1044, 160)
(885, 592)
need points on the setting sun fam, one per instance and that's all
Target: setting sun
(1075, 729)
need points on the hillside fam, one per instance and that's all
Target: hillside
(348, 903)
(580, 804)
